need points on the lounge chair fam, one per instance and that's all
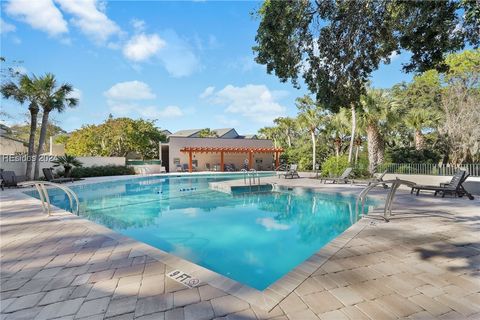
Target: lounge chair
(48, 173)
(179, 168)
(454, 187)
(207, 167)
(378, 179)
(342, 178)
(290, 172)
(185, 167)
(10, 179)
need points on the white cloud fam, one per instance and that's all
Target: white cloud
(394, 55)
(88, 15)
(76, 93)
(142, 46)
(150, 112)
(255, 102)
(138, 25)
(177, 56)
(271, 224)
(123, 97)
(228, 122)
(130, 90)
(157, 113)
(245, 64)
(39, 14)
(6, 27)
(173, 52)
(207, 92)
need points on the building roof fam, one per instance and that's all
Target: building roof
(194, 132)
(6, 133)
(4, 136)
(223, 131)
(4, 128)
(186, 133)
(166, 132)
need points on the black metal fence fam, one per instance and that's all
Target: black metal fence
(429, 169)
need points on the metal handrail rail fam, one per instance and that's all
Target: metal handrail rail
(251, 174)
(43, 193)
(245, 173)
(255, 174)
(387, 211)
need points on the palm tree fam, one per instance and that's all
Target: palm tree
(67, 162)
(338, 128)
(375, 109)
(310, 117)
(21, 93)
(353, 109)
(271, 133)
(419, 119)
(50, 98)
(286, 125)
(207, 133)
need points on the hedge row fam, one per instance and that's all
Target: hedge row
(101, 171)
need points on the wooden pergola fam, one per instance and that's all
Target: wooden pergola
(223, 150)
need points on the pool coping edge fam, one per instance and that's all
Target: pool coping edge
(267, 299)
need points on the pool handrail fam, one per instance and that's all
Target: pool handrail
(43, 194)
(387, 211)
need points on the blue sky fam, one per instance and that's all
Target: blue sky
(186, 64)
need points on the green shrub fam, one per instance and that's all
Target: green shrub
(334, 166)
(361, 167)
(101, 171)
(410, 155)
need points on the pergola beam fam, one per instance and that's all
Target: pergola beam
(231, 150)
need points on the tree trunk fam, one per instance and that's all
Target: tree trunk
(31, 141)
(358, 144)
(337, 144)
(314, 149)
(352, 137)
(419, 140)
(289, 140)
(373, 143)
(41, 141)
(381, 149)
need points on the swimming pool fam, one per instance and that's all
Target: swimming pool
(253, 238)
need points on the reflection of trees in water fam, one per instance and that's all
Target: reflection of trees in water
(122, 219)
(316, 215)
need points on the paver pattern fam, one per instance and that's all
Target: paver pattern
(424, 264)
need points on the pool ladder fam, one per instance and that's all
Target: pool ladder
(43, 193)
(251, 174)
(387, 211)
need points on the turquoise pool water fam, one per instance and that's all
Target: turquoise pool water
(252, 238)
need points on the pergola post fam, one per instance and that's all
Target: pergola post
(190, 161)
(250, 159)
(222, 166)
(277, 160)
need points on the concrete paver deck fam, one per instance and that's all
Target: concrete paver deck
(424, 264)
